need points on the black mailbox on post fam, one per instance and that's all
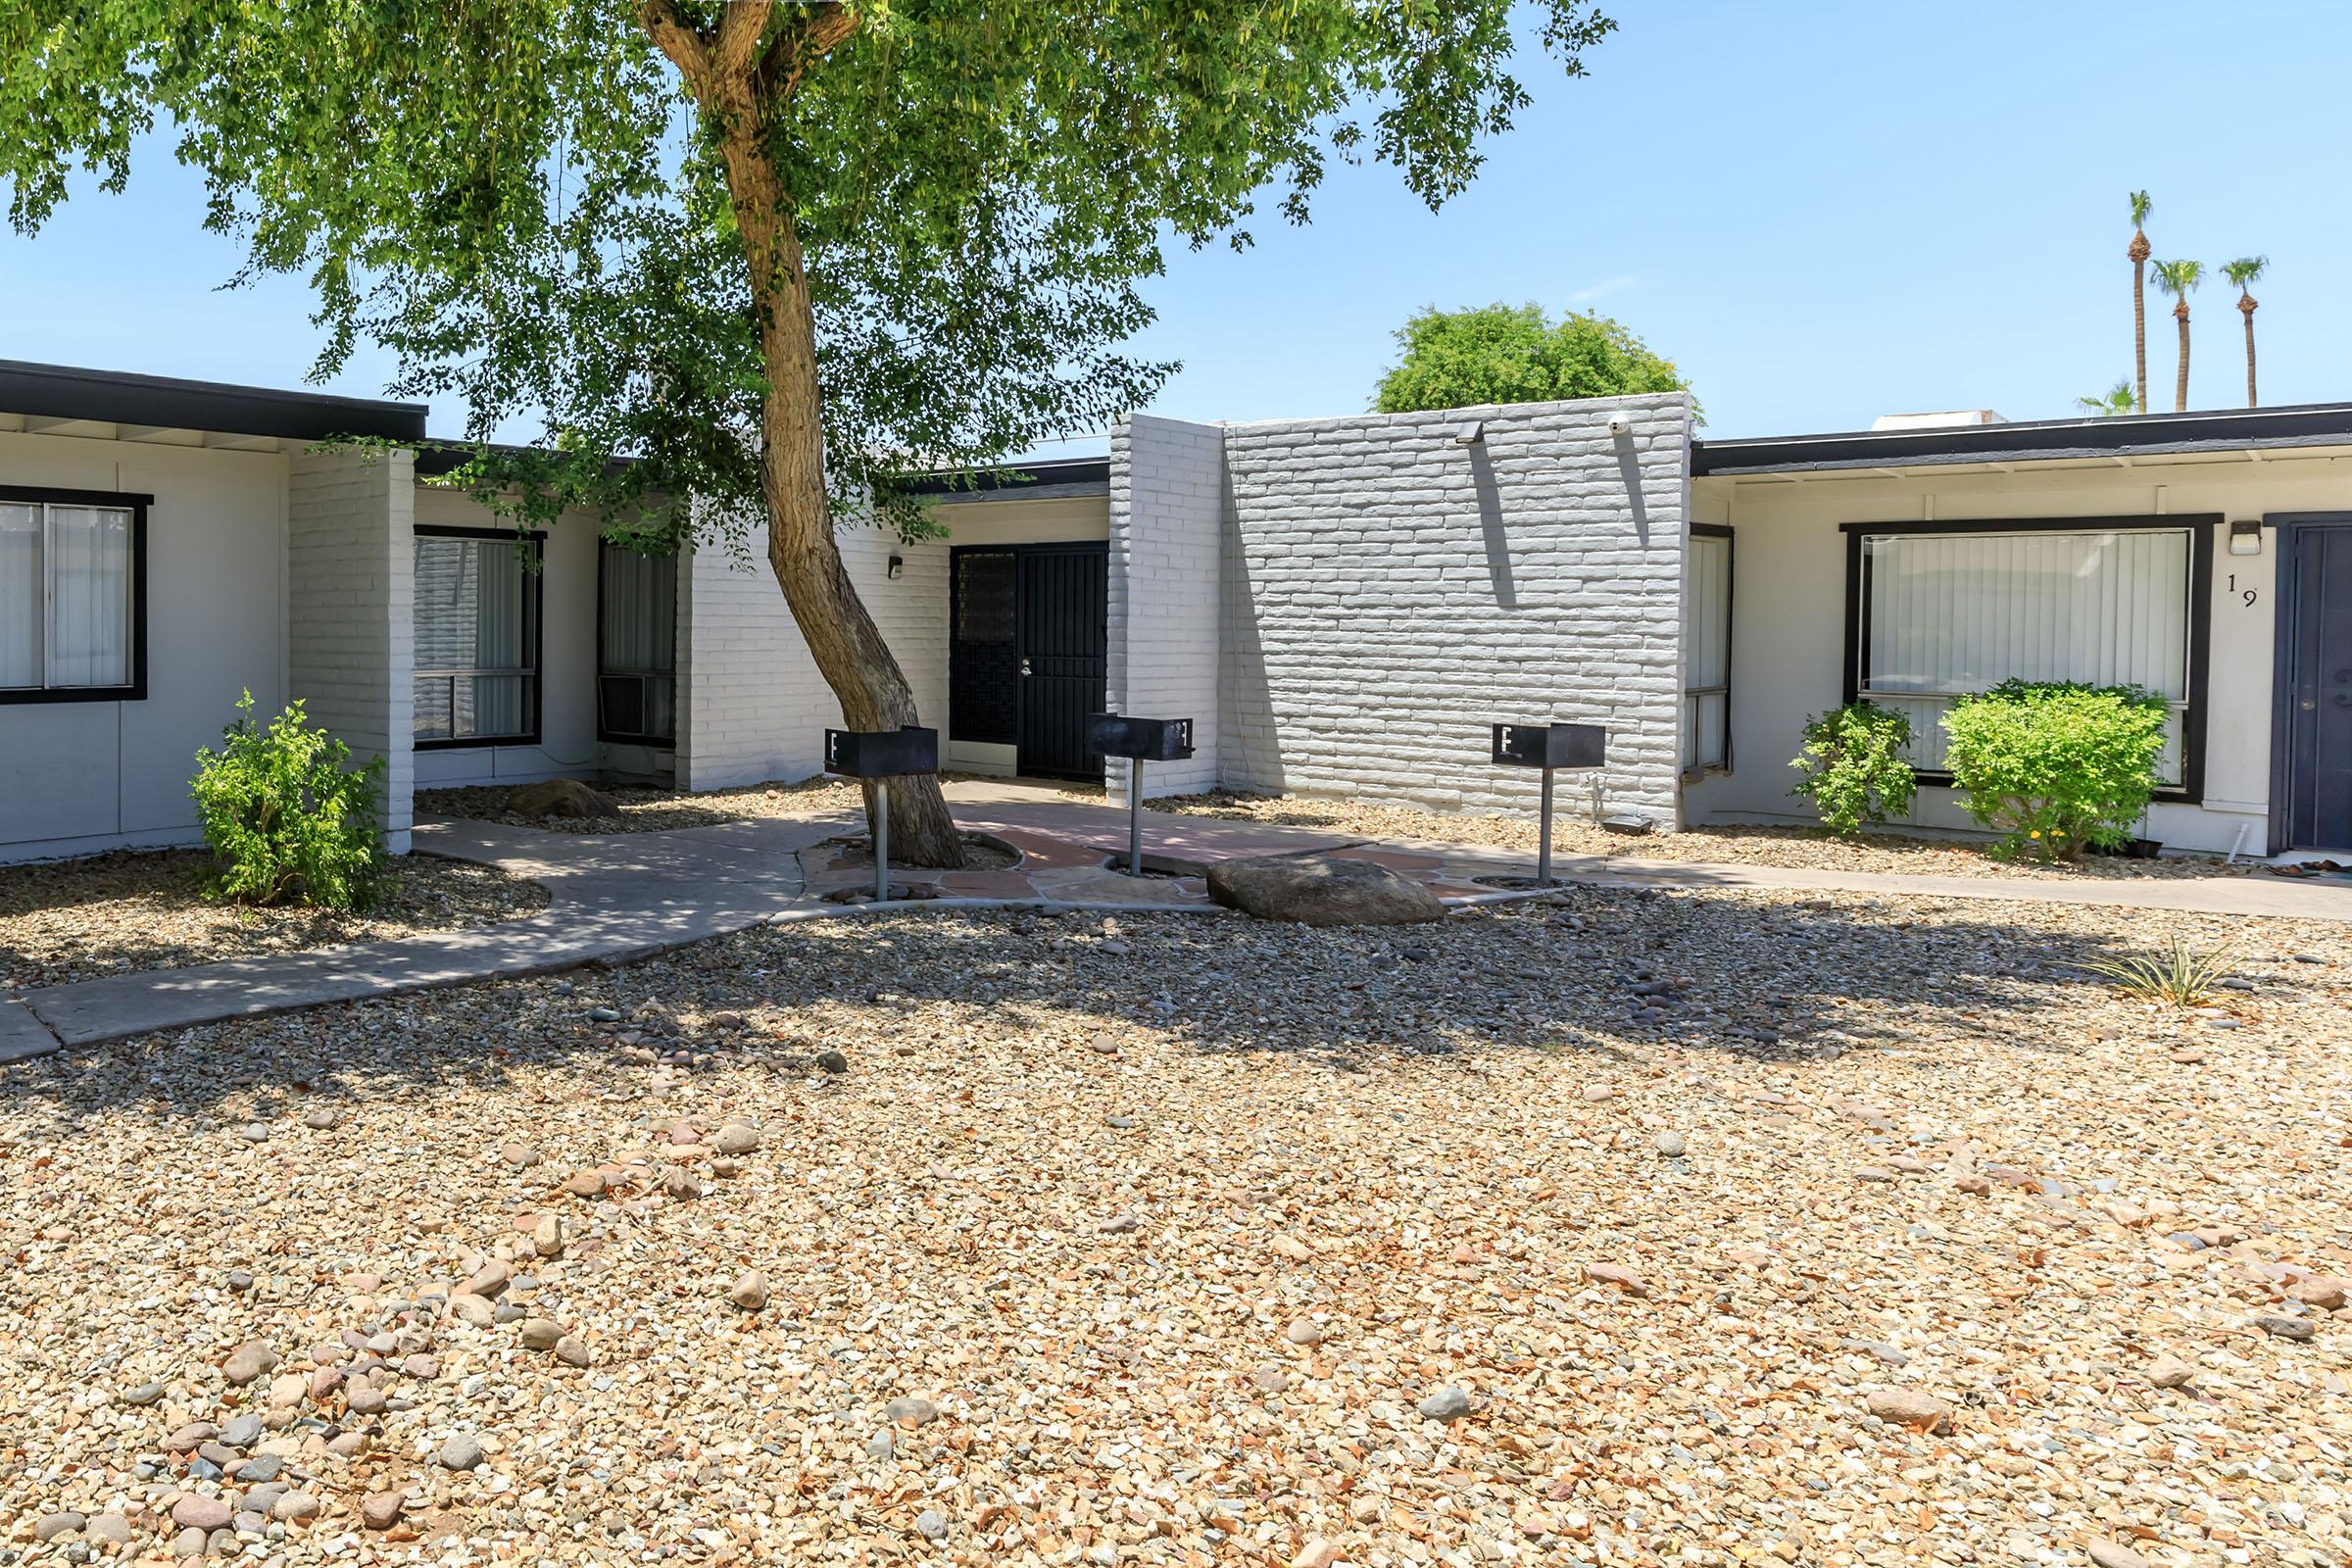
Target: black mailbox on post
(1146, 739)
(1551, 744)
(881, 752)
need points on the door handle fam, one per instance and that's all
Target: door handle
(1025, 669)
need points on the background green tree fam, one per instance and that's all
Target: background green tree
(2180, 279)
(2117, 399)
(777, 251)
(1517, 354)
(2243, 273)
(2137, 253)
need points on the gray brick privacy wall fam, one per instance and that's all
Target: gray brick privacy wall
(1165, 604)
(1389, 593)
(349, 637)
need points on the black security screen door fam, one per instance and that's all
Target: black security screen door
(1029, 650)
(2315, 699)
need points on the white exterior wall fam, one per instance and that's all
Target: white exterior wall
(1167, 521)
(350, 603)
(1789, 631)
(751, 707)
(79, 777)
(1389, 594)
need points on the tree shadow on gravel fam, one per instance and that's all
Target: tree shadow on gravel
(1595, 969)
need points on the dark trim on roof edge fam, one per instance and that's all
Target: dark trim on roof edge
(2130, 435)
(1068, 476)
(112, 397)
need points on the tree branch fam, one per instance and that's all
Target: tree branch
(687, 49)
(741, 25)
(796, 48)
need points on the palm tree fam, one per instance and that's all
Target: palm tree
(2117, 400)
(2176, 278)
(2242, 274)
(2140, 294)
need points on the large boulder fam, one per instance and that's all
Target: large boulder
(1315, 890)
(561, 797)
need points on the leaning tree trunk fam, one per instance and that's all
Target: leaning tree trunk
(2246, 304)
(735, 83)
(2180, 385)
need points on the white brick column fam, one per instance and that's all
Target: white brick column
(1167, 524)
(350, 637)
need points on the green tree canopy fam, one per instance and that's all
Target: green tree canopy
(1517, 354)
(774, 251)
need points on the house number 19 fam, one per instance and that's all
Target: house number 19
(2249, 595)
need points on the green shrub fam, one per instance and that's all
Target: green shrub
(1853, 764)
(288, 816)
(2056, 769)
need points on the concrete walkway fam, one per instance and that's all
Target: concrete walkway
(621, 897)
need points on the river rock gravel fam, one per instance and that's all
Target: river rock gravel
(1527, 1337)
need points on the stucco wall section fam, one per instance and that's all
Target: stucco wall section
(1168, 504)
(350, 603)
(752, 705)
(79, 777)
(1389, 593)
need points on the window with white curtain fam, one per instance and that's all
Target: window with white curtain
(1948, 614)
(477, 638)
(69, 598)
(637, 646)
(1708, 653)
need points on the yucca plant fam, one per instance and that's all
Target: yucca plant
(2180, 976)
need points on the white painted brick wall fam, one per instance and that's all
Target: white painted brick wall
(1388, 594)
(753, 707)
(350, 597)
(1167, 521)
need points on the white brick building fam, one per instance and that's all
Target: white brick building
(1340, 606)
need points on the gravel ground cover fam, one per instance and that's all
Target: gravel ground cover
(1618, 1228)
(1806, 848)
(108, 913)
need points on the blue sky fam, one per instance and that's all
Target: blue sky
(1822, 212)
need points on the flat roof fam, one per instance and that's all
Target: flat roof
(2118, 436)
(65, 392)
(1047, 479)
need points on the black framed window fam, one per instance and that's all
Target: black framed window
(637, 646)
(1707, 652)
(477, 623)
(1940, 610)
(73, 596)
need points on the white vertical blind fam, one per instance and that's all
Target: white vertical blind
(89, 596)
(476, 638)
(1948, 615)
(1707, 653)
(23, 575)
(65, 596)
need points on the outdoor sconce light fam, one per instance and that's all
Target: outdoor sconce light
(897, 567)
(1471, 434)
(1620, 425)
(2245, 538)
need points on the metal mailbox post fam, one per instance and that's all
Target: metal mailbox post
(1140, 741)
(1550, 746)
(877, 754)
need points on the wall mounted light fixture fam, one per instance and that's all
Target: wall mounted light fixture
(1471, 434)
(897, 567)
(2245, 538)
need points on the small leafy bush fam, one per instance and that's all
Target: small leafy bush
(1853, 764)
(287, 816)
(2180, 977)
(2056, 769)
